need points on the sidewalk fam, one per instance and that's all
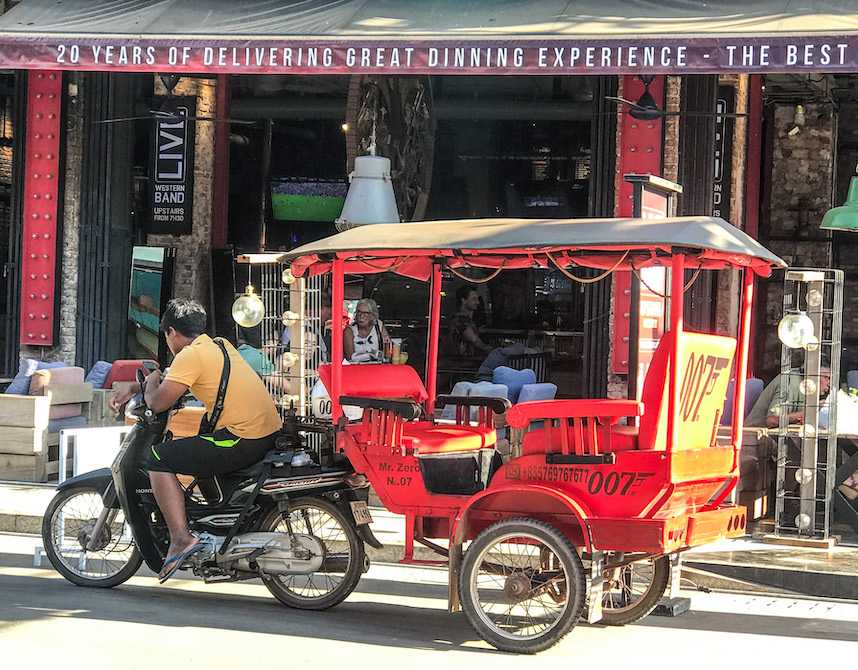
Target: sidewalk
(744, 564)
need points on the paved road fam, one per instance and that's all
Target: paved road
(396, 618)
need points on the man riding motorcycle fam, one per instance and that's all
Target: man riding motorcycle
(244, 429)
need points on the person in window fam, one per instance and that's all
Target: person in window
(767, 409)
(365, 337)
(251, 350)
(319, 328)
(463, 330)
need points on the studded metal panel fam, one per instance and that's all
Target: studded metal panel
(39, 264)
(639, 153)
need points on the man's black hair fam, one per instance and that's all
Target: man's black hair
(250, 336)
(186, 317)
(463, 292)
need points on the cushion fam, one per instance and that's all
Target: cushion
(459, 389)
(514, 380)
(124, 371)
(377, 381)
(56, 425)
(753, 390)
(64, 375)
(543, 391)
(21, 384)
(447, 439)
(98, 375)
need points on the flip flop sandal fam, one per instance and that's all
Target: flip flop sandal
(177, 561)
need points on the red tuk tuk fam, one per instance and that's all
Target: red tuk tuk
(600, 493)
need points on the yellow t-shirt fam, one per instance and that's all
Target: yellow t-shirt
(248, 410)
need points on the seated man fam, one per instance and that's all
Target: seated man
(767, 409)
(250, 349)
(244, 432)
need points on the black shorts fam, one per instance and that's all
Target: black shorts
(209, 454)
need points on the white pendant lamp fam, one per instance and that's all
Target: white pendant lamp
(370, 198)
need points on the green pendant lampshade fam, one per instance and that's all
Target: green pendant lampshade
(846, 216)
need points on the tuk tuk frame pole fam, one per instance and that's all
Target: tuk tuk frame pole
(434, 335)
(337, 284)
(677, 290)
(740, 380)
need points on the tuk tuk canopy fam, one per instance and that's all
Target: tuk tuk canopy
(411, 249)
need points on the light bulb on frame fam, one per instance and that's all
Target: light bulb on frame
(287, 276)
(290, 318)
(814, 298)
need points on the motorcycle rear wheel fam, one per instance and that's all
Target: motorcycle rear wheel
(344, 560)
(66, 530)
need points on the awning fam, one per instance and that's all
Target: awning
(411, 249)
(548, 37)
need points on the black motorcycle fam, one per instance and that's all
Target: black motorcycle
(298, 519)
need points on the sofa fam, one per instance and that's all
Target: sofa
(45, 398)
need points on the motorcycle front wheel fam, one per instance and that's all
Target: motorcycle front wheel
(67, 530)
(344, 555)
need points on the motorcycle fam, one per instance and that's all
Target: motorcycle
(298, 519)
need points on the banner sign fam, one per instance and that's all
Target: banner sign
(723, 183)
(172, 179)
(515, 56)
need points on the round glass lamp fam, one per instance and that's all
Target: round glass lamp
(248, 309)
(796, 330)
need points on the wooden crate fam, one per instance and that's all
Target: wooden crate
(24, 427)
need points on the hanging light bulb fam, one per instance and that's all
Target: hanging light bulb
(287, 276)
(796, 330)
(290, 318)
(248, 309)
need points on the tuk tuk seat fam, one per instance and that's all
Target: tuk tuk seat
(383, 425)
(589, 427)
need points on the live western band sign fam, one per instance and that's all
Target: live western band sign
(549, 56)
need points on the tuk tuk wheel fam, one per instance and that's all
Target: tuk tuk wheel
(632, 591)
(522, 585)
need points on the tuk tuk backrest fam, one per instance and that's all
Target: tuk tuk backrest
(706, 364)
(377, 380)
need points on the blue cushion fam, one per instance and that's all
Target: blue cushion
(56, 425)
(98, 374)
(543, 391)
(513, 380)
(21, 384)
(460, 389)
(489, 390)
(753, 390)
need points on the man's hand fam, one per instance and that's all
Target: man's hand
(122, 393)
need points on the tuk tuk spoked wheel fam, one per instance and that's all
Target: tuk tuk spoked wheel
(345, 556)
(631, 591)
(522, 585)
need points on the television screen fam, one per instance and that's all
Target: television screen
(548, 198)
(151, 287)
(297, 199)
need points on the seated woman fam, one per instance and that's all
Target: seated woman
(363, 340)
